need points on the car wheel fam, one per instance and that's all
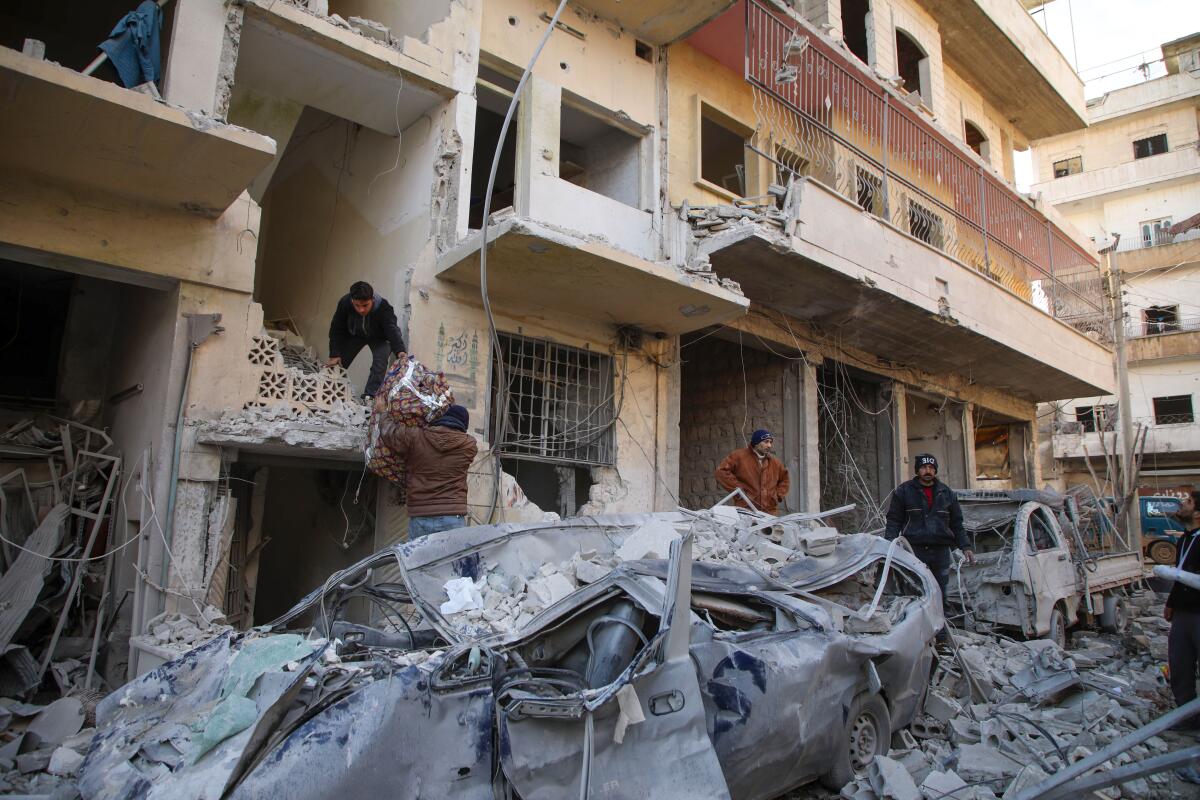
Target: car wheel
(1162, 553)
(1115, 617)
(1058, 628)
(868, 733)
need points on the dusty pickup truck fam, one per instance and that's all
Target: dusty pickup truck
(1042, 564)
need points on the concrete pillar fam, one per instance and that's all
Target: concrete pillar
(801, 436)
(537, 138)
(900, 433)
(968, 426)
(194, 61)
(670, 383)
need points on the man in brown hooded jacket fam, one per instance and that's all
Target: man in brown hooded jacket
(756, 472)
(437, 460)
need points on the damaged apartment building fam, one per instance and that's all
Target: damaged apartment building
(708, 217)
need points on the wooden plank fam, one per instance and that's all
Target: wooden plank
(21, 584)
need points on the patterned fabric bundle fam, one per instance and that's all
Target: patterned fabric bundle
(411, 395)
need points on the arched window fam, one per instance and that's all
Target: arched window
(975, 139)
(912, 64)
(855, 14)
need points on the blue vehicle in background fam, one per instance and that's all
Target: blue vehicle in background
(1160, 529)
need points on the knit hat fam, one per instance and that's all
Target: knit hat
(456, 417)
(924, 459)
(759, 435)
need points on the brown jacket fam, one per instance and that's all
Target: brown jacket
(437, 459)
(765, 485)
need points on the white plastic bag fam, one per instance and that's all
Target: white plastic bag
(464, 596)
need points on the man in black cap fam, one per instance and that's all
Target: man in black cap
(364, 319)
(925, 511)
(437, 460)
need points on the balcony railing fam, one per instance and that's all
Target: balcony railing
(821, 117)
(1135, 330)
(1157, 238)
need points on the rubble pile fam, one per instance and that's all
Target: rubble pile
(502, 603)
(173, 634)
(42, 747)
(1001, 715)
(707, 220)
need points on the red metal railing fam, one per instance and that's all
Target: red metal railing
(878, 151)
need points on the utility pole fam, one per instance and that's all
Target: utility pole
(1129, 506)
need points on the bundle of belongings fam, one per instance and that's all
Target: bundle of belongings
(411, 395)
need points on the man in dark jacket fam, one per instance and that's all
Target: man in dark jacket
(756, 472)
(925, 511)
(437, 460)
(1183, 610)
(364, 319)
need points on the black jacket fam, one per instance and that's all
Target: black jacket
(1185, 598)
(941, 526)
(348, 324)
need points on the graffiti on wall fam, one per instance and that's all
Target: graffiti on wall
(458, 357)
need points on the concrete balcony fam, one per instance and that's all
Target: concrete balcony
(1176, 166)
(289, 53)
(1166, 346)
(658, 21)
(62, 128)
(1183, 249)
(532, 267)
(877, 288)
(1000, 50)
(1167, 443)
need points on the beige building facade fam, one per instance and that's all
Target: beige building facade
(682, 249)
(1132, 180)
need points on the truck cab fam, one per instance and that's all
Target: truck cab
(1160, 529)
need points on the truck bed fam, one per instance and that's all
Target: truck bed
(1111, 571)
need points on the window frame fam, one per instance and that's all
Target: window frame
(718, 116)
(1150, 149)
(1164, 417)
(1067, 171)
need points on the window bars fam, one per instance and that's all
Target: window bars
(560, 402)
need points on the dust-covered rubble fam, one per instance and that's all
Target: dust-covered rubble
(1001, 715)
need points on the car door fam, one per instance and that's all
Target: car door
(1050, 573)
(548, 748)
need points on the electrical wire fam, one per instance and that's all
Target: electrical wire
(502, 416)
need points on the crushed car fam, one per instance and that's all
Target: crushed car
(718, 653)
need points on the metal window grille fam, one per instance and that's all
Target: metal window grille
(560, 402)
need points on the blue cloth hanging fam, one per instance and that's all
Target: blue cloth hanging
(133, 47)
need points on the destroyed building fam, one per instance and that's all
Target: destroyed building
(708, 217)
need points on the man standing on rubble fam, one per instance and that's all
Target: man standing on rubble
(1183, 610)
(756, 472)
(437, 459)
(364, 319)
(926, 512)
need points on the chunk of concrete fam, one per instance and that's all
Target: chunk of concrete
(652, 540)
(58, 721)
(890, 780)
(939, 785)
(941, 707)
(550, 589)
(36, 761)
(371, 29)
(590, 571)
(978, 762)
(64, 762)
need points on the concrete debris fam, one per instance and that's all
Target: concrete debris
(1045, 708)
(371, 29)
(707, 220)
(172, 634)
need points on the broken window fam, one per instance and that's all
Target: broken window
(1161, 319)
(855, 15)
(925, 225)
(1040, 536)
(722, 151)
(1173, 410)
(1096, 418)
(857, 592)
(489, 118)
(913, 65)
(1155, 232)
(599, 156)
(1068, 166)
(1150, 146)
(558, 402)
(868, 191)
(975, 139)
